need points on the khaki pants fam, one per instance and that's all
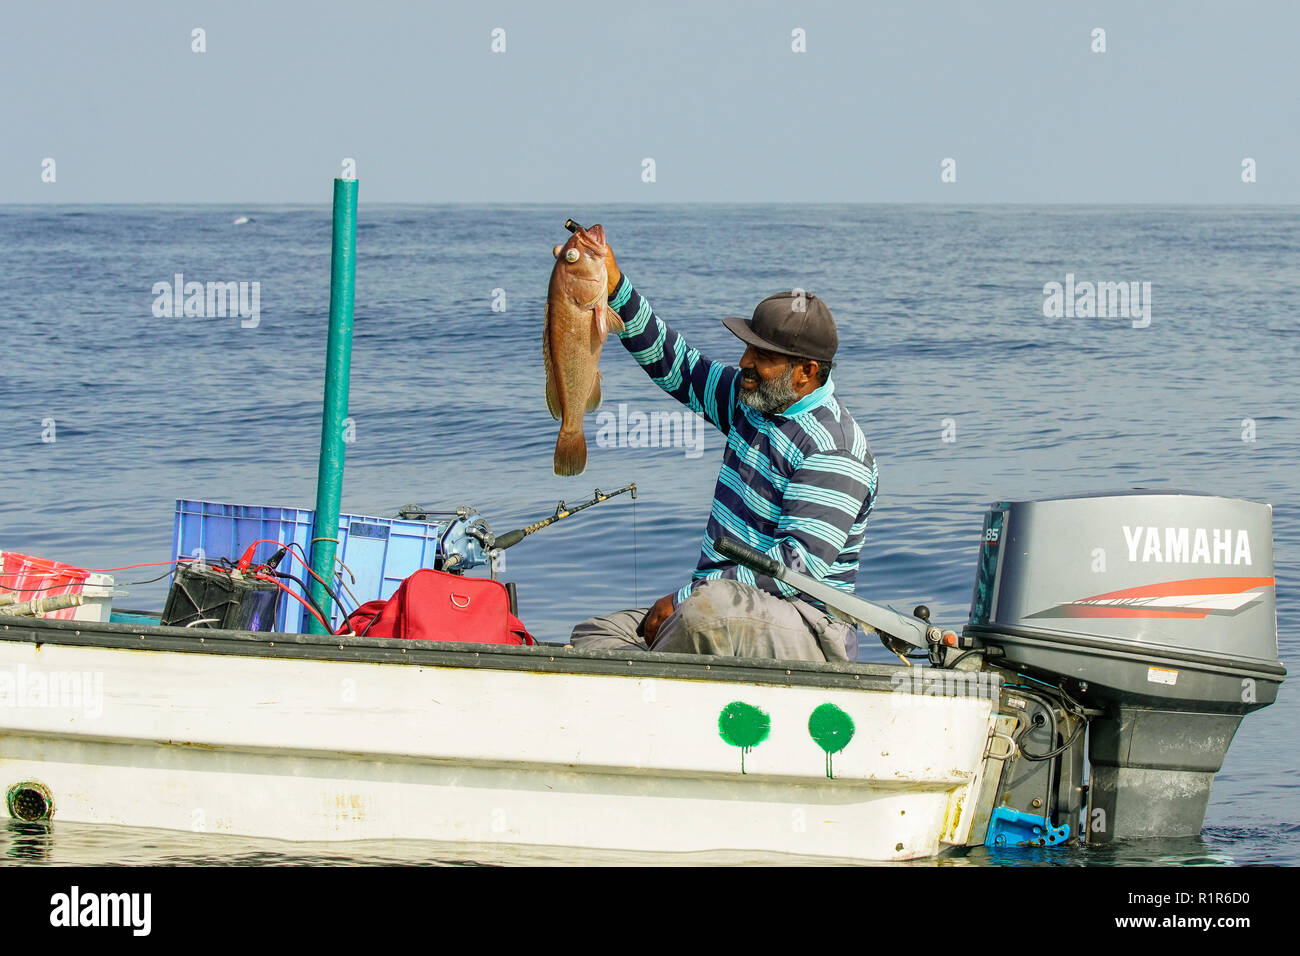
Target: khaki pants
(732, 620)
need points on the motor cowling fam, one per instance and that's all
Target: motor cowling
(1155, 608)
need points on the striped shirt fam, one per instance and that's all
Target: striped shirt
(798, 485)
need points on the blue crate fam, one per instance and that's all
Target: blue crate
(381, 552)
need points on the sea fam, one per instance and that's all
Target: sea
(970, 385)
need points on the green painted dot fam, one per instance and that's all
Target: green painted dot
(745, 726)
(832, 729)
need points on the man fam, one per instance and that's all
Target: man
(798, 482)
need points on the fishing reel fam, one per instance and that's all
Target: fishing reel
(465, 541)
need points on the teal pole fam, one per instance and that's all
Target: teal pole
(338, 372)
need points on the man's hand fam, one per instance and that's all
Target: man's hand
(662, 610)
(611, 269)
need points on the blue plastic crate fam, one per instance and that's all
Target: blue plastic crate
(381, 552)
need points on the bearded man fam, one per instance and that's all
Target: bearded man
(798, 482)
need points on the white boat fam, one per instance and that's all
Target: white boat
(320, 737)
(308, 738)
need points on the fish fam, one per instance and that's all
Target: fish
(577, 321)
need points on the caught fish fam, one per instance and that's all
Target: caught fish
(578, 318)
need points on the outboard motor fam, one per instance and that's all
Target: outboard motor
(1147, 618)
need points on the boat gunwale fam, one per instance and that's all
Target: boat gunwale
(540, 658)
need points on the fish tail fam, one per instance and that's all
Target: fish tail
(570, 453)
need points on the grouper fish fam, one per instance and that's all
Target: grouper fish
(578, 318)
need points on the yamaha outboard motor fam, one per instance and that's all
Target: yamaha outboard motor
(1147, 618)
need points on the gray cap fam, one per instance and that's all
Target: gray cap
(793, 323)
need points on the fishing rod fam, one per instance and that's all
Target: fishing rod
(888, 622)
(574, 227)
(511, 538)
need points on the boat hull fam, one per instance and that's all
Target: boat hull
(306, 738)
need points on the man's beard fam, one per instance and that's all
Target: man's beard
(770, 397)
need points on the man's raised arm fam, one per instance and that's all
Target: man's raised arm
(707, 387)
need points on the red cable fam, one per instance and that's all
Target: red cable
(64, 571)
(288, 549)
(276, 582)
(151, 564)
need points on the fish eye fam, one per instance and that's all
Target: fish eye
(572, 255)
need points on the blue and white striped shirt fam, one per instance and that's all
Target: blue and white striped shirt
(798, 485)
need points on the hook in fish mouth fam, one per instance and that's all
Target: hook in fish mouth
(587, 239)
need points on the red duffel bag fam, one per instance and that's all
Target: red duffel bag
(435, 606)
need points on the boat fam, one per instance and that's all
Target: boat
(311, 738)
(316, 737)
(1114, 644)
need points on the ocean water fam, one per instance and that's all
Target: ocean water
(942, 331)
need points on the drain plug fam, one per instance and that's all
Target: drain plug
(30, 801)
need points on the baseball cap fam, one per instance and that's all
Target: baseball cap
(793, 323)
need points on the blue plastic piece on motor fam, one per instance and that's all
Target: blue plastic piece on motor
(1009, 827)
(456, 540)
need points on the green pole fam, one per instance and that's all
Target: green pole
(338, 371)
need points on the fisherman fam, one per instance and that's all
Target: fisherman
(798, 482)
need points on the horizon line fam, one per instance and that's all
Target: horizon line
(683, 202)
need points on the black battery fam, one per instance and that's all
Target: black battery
(203, 597)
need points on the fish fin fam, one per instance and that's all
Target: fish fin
(593, 401)
(602, 329)
(571, 454)
(614, 321)
(552, 397)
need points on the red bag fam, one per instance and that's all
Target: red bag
(435, 606)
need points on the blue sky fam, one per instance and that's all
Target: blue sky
(710, 90)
